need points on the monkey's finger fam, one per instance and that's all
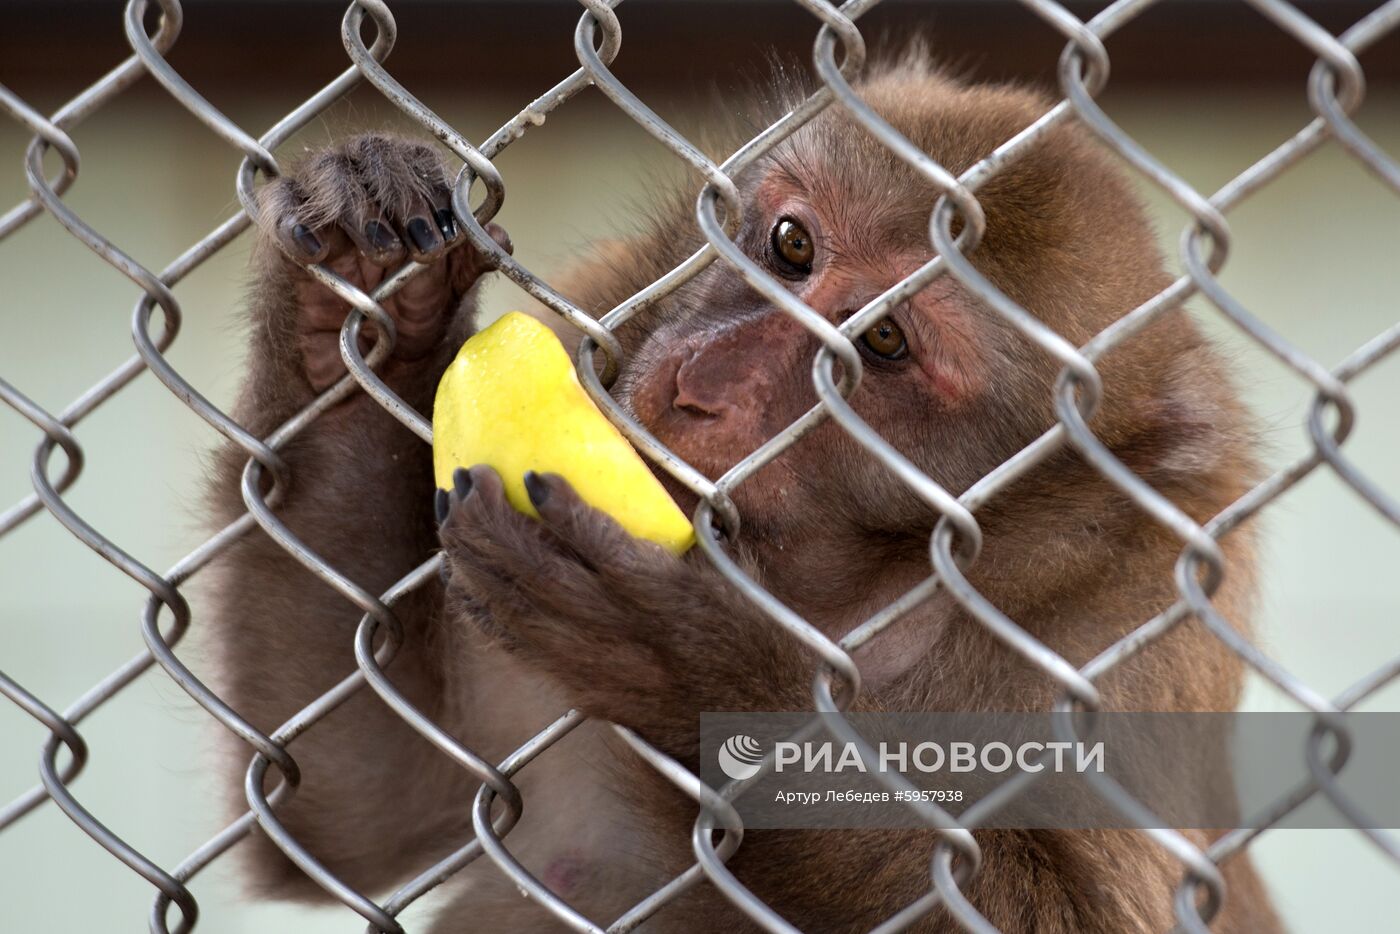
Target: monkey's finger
(341, 254)
(440, 199)
(334, 195)
(591, 534)
(486, 539)
(554, 498)
(468, 263)
(281, 202)
(498, 233)
(480, 479)
(302, 223)
(401, 183)
(375, 238)
(477, 504)
(308, 244)
(301, 241)
(420, 233)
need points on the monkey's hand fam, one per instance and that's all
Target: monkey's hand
(363, 208)
(633, 633)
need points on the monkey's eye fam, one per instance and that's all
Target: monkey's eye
(885, 340)
(793, 246)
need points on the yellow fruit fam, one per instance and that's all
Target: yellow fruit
(511, 400)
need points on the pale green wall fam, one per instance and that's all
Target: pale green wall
(1315, 255)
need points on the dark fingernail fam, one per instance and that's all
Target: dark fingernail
(422, 234)
(446, 222)
(381, 237)
(461, 482)
(536, 488)
(441, 504)
(306, 239)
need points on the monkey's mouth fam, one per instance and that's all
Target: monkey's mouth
(677, 436)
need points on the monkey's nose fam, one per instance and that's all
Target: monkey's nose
(701, 391)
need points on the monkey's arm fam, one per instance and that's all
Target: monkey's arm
(372, 802)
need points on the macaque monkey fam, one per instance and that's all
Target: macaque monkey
(538, 616)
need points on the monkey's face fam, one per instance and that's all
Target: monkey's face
(726, 370)
(948, 382)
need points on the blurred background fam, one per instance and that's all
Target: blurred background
(1208, 87)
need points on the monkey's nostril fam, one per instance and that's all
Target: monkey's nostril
(698, 394)
(693, 406)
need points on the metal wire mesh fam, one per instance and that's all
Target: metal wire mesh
(1335, 89)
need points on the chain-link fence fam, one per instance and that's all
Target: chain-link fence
(1335, 89)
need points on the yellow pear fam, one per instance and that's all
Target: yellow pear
(511, 400)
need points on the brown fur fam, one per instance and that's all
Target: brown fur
(569, 611)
